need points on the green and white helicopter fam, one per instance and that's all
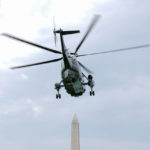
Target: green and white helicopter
(73, 79)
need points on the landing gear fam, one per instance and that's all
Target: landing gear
(58, 96)
(92, 93)
(57, 87)
(91, 85)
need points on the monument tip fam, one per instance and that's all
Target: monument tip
(75, 118)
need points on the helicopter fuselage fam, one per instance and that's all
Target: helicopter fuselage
(71, 74)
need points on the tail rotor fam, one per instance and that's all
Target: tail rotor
(54, 32)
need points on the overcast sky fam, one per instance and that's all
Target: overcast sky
(117, 118)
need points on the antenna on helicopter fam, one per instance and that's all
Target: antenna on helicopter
(54, 32)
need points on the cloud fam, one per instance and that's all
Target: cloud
(24, 77)
(113, 145)
(1, 92)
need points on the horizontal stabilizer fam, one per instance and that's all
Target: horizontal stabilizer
(67, 32)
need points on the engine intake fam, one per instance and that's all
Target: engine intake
(90, 77)
(57, 86)
(90, 81)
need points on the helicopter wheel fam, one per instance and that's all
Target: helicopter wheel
(92, 93)
(58, 96)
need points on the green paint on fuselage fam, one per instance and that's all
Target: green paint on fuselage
(72, 82)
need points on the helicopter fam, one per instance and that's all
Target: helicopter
(73, 78)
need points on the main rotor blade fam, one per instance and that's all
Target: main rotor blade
(85, 68)
(39, 63)
(117, 50)
(31, 43)
(94, 21)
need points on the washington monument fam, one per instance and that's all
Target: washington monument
(75, 138)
